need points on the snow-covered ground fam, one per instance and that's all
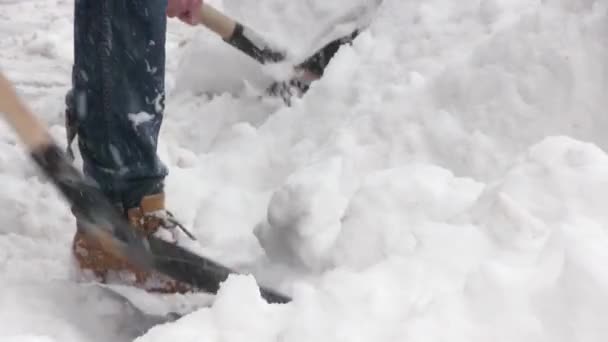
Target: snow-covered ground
(446, 180)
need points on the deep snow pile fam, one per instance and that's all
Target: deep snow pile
(444, 180)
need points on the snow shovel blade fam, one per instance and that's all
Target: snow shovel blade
(150, 252)
(206, 274)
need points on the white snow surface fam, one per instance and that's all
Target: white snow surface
(446, 180)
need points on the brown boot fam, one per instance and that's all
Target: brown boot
(150, 217)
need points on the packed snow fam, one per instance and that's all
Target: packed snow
(446, 180)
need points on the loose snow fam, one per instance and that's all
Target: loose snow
(446, 180)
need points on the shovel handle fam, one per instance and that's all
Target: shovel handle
(28, 128)
(239, 36)
(217, 21)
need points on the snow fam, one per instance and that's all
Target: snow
(139, 118)
(445, 180)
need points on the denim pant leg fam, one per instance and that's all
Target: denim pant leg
(118, 94)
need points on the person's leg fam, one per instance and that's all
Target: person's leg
(118, 94)
(116, 106)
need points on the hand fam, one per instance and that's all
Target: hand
(188, 11)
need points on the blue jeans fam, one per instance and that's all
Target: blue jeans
(116, 103)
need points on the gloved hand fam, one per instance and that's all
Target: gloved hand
(188, 11)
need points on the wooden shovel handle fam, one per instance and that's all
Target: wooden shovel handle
(217, 22)
(31, 131)
(239, 36)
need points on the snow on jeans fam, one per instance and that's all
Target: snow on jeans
(117, 99)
